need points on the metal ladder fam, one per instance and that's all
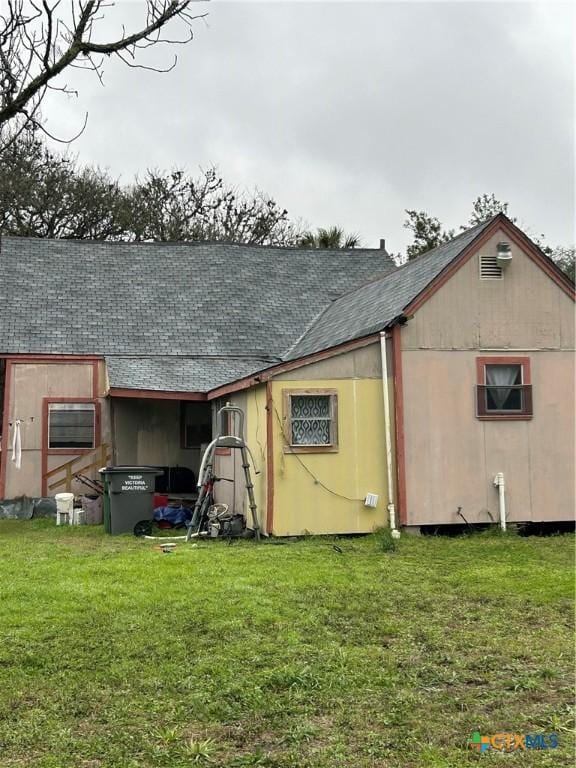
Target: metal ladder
(234, 441)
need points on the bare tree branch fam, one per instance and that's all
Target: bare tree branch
(150, 69)
(64, 141)
(38, 42)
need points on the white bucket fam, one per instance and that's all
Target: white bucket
(64, 507)
(79, 517)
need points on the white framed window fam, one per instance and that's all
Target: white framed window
(72, 425)
(311, 420)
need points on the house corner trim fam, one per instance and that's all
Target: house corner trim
(399, 424)
(269, 459)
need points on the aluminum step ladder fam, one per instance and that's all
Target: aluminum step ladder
(229, 418)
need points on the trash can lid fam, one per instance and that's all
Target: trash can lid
(124, 470)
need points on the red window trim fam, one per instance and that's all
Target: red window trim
(46, 401)
(16, 359)
(524, 362)
(482, 362)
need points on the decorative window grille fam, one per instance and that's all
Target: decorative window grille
(311, 419)
(71, 425)
(489, 267)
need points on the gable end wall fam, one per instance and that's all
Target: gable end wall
(451, 456)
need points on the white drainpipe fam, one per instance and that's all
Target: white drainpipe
(500, 484)
(388, 437)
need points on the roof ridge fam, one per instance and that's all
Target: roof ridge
(311, 324)
(435, 258)
(163, 355)
(410, 262)
(467, 231)
(192, 243)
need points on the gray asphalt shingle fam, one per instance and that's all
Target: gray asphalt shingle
(177, 374)
(193, 317)
(173, 299)
(372, 307)
(190, 300)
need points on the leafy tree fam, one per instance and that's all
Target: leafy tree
(41, 39)
(565, 258)
(428, 233)
(486, 207)
(333, 238)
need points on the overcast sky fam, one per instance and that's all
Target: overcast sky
(348, 113)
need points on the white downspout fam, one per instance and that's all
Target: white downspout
(388, 437)
(500, 484)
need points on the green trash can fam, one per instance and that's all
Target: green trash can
(128, 497)
(105, 502)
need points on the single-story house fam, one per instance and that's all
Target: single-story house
(373, 394)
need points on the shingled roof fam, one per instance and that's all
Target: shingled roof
(175, 373)
(372, 307)
(192, 317)
(170, 316)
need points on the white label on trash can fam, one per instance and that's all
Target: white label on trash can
(134, 483)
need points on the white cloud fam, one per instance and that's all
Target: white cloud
(349, 113)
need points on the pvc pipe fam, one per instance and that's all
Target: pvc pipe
(211, 446)
(388, 436)
(501, 485)
(203, 463)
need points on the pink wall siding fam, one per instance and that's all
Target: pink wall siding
(451, 456)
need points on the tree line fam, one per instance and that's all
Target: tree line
(45, 193)
(428, 232)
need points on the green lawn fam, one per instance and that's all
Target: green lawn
(114, 655)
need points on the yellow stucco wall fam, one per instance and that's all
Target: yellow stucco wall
(358, 467)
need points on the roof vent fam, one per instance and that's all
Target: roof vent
(504, 254)
(490, 268)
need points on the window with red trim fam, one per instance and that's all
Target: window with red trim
(71, 425)
(503, 389)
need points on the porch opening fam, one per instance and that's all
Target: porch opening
(168, 434)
